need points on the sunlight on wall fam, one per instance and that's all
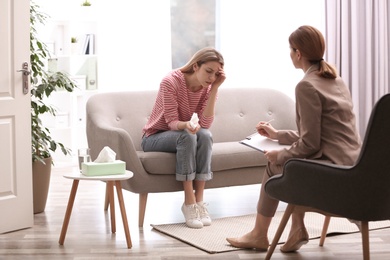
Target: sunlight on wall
(134, 44)
(134, 49)
(254, 40)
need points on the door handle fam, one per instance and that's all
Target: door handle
(26, 73)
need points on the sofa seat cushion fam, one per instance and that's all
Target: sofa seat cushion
(226, 156)
(158, 162)
(233, 155)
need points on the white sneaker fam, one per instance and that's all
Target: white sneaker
(191, 214)
(204, 214)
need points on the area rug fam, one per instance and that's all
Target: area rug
(212, 239)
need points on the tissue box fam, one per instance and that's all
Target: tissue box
(108, 168)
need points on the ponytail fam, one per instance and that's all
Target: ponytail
(326, 70)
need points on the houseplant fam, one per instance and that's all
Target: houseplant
(73, 45)
(86, 3)
(43, 83)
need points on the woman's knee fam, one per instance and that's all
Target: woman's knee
(187, 139)
(273, 169)
(204, 135)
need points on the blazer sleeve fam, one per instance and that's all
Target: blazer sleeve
(309, 113)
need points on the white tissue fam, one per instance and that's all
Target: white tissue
(194, 120)
(106, 155)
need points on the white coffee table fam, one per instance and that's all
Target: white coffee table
(111, 181)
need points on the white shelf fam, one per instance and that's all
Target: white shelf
(69, 126)
(83, 22)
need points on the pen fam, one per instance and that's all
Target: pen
(269, 121)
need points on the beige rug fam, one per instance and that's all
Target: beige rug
(212, 239)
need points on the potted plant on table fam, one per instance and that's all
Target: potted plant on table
(43, 83)
(86, 3)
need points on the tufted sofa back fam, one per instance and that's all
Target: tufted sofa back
(238, 110)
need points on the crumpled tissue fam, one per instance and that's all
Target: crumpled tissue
(194, 120)
(106, 155)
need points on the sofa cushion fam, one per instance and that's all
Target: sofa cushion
(226, 156)
(158, 162)
(233, 155)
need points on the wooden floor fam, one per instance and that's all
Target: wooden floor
(89, 235)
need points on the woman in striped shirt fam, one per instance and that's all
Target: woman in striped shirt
(190, 89)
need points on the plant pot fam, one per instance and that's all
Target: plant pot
(41, 181)
(74, 48)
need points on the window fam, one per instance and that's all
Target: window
(192, 28)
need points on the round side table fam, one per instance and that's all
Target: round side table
(111, 181)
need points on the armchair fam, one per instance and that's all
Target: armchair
(360, 192)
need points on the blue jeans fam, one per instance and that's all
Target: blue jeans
(193, 152)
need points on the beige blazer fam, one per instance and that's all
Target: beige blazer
(325, 121)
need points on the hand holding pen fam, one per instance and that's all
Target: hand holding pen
(266, 129)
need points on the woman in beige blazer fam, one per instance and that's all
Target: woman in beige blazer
(326, 131)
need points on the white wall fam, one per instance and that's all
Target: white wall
(254, 40)
(133, 40)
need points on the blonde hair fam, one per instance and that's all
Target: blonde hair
(311, 43)
(202, 56)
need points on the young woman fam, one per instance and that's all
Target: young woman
(190, 89)
(326, 131)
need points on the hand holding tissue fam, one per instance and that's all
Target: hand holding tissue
(194, 120)
(105, 164)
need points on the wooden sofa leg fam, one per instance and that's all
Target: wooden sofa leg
(143, 197)
(324, 230)
(365, 240)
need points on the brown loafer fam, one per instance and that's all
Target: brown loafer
(295, 241)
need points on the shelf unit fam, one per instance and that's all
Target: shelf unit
(61, 31)
(69, 126)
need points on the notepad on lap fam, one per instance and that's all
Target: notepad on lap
(262, 143)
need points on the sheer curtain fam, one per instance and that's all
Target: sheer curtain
(358, 37)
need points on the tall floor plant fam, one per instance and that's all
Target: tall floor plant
(43, 84)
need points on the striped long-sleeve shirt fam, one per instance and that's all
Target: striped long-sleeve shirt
(174, 103)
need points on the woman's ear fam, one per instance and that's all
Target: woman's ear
(299, 55)
(195, 67)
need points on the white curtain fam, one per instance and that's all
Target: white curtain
(358, 37)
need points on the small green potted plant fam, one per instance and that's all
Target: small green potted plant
(73, 46)
(43, 84)
(86, 3)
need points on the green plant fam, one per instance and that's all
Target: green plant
(73, 40)
(86, 3)
(43, 83)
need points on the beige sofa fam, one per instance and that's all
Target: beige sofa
(116, 119)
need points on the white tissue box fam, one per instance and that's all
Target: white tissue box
(107, 168)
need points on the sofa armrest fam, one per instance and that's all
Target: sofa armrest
(101, 134)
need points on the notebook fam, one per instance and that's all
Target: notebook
(262, 143)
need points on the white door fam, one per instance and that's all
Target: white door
(16, 206)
